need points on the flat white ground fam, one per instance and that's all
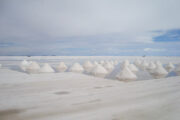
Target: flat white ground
(73, 96)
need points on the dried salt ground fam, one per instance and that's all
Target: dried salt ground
(76, 67)
(99, 71)
(33, 67)
(61, 67)
(159, 72)
(126, 75)
(88, 66)
(169, 67)
(46, 68)
(133, 68)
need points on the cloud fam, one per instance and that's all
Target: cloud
(65, 24)
(154, 50)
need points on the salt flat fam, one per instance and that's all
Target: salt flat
(74, 96)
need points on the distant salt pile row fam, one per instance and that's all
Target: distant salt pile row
(156, 68)
(103, 68)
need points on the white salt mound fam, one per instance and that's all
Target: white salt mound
(125, 63)
(169, 67)
(108, 66)
(102, 62)
(76, 67)
(99, 71)
(158, 63)
(33, 67)
(137, 63)
(96, 63)
(159, 72)
(133, 68)
(88, 66)
(126, 75)
(144, 65)
(46, 68)
(24, 64)
(177, 69)
(61, 67)
(151, 66)
(115, 62)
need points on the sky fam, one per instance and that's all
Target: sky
(90, 27)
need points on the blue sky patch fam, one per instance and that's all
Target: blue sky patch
(169, 36)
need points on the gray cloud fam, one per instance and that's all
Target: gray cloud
(77, 23)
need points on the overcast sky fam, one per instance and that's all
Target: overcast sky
(90, 27)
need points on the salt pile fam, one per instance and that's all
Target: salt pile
(115, 62)
(169, 66)
(24, 64)
(158, 63)
(125, 63)
(96, 63)
(102, 62)
(126, 75)
(46, 68)
(151, 67)
(144, 65)
(61, 67)
(133, 68)
(33, 67)
(109, 67)
(137, 63)
(88, 66)
(76, 67)
(99, 71)
(177, 70)
(159, 72)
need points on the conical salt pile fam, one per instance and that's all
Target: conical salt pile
(102, 62)
(24, 64)
(169, 66)
(158, 63)
(96, 63)
(151, 67)
(88, 66)
(144, 65)
(133, 68)
(109, 67)
(111, 62)
(125, 63)
(76, 67)
(99, 71)
(177, 70)
(46, 68)
(115, 62)
(137, 63)
(33, 67)
(159, 72)
(126, 75)
(61, 67)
